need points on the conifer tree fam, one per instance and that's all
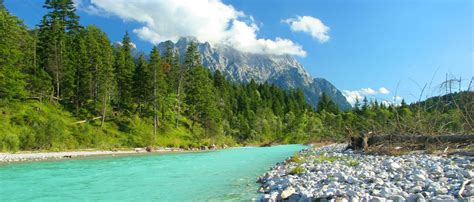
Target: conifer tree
(125, 67)
(141, 84)
(325, 103)
(159, 86)
(56, 39)
(13, 43)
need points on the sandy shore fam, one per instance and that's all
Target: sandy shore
(39, 156)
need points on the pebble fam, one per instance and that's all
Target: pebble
(412, 177)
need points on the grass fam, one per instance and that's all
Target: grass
(352, 163)
(331, 159)
(325, 158)
(297, 170)
(296, 159)
(33, 125)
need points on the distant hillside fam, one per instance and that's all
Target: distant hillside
(463, 100)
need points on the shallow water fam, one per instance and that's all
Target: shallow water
(204, 176)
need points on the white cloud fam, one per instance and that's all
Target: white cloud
(384, 91)
(352, 96)
(310, 25)
(368, 91)
(207, 20)
(386, 103)
(133, 45)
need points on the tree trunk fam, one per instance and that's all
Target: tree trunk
(104, 110)
(178, 108)
(155, 118)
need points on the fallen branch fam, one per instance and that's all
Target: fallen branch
(87, 120)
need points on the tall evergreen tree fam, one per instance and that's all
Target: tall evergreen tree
(325, 103)
(142, 90)
(158, 86)
(125, 67)
(56, 42)
(14, 40)
(200, 93)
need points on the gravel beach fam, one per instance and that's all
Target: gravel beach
(334, 173)
(39, 156)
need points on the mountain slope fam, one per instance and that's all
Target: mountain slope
(282, 70)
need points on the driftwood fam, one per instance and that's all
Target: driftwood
(371, 140)
(87, 120)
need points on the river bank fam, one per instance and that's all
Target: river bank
(25, 156)
(334, 172)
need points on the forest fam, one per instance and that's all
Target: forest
(64, 86)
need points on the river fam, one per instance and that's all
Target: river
(228, 174)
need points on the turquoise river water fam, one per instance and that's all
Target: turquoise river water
(228, 175)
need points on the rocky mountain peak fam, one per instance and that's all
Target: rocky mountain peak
(282, 70)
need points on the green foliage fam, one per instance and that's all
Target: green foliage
(66, 87)
(297, 170)
(296, 159)
(326, 104)
(14, 40)
(325, 158)
(124, 70)
(353, 163)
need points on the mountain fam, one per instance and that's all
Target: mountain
(282, 70)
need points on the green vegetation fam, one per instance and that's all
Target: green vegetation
(353, 163)
(64, 86)
(296, 159)
(324, 158)
(330, 159)
(297, 170)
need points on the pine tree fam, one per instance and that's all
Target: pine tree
(141, 84)
(105, 84)
(200, 92)
(125, 67)
(159, 87)
(55, 43)
(326, 104)
(13, 42)
(192, 59)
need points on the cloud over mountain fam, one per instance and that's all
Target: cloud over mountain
(354, 95)
(312, 26)
(208, 20)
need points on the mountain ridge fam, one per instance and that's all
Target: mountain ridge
(242, 67)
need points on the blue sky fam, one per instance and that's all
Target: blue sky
(397, 45)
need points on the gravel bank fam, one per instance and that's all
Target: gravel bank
(39, 156)
(334, 173)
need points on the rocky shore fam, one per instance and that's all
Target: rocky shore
(335, 173)
(40, 156)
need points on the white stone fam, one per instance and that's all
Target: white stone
(287, 192)
(419, 177)
(443, 198)
(377, 199)
(397, 198)
(416, 189)
(394, 166)
(468, 173)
